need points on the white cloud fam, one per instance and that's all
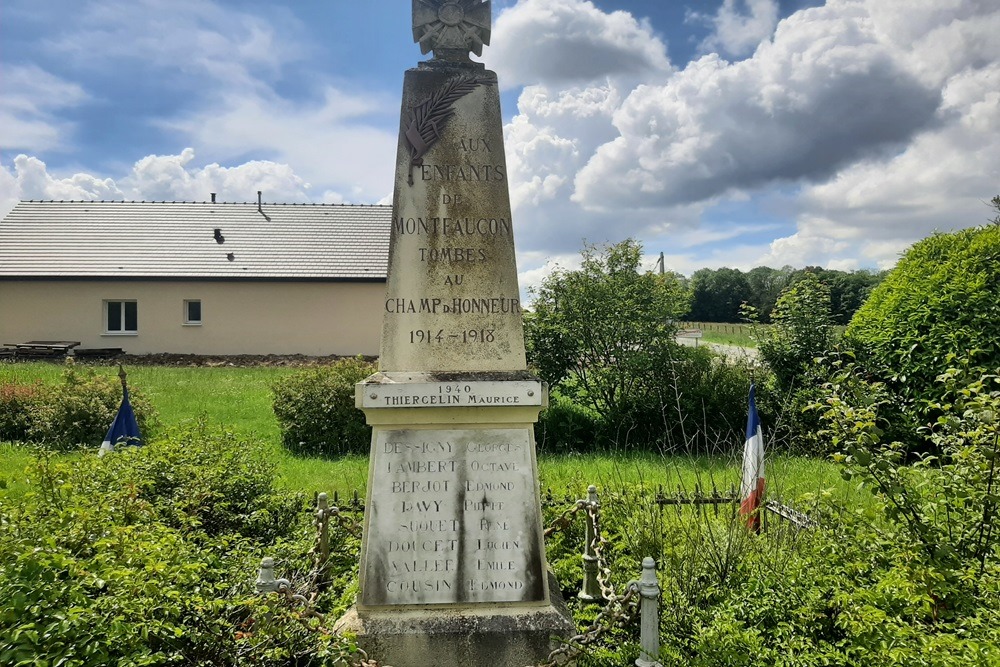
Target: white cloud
(332, 142)
(158, 178)
(172, 177)
(572, 42)
(31, 97)
(873, 210)
(739, 26)
(198, 38)
(29, 179)
(876, 122)
(823, 95)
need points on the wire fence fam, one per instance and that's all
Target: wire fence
(637, 602)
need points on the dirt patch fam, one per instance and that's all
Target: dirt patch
(234, 360)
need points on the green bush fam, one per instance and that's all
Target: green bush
(148, 557)
(850, 592)
(16, 401)
(197, 479)
(566, 426)
(72, 414)
(692, 401)
(315, 409)
(602, 328)
(940, 302)
(946, 504)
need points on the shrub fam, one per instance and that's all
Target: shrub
(603, 327)
(945, 504)
(566, 426)
(97, 568)
(202, 480)
(845, 593)
(16, 401)
(315, 409)
(942, 300)
(74, 413)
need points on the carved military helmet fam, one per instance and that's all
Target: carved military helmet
(451, 28)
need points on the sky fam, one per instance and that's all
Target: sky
(732, 133)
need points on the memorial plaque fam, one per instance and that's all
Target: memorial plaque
(455, 514)
(453, 393)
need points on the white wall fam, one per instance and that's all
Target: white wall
(237, 317)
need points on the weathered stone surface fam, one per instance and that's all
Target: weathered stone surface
(452, 300)
(389, 390)
(453, 567)
(453, 518)
(451, 28)
(486, 636)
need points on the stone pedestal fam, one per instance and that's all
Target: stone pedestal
(485, 636)
(453, 567)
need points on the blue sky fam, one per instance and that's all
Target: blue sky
(720, 132)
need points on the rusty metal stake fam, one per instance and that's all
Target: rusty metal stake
(591, 591)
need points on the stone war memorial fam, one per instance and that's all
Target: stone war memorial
(453, 568)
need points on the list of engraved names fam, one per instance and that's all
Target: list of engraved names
(456, 515)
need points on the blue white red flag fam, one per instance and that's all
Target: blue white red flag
(124, 429)
(752, 486)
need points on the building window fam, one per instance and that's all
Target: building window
(192, 311)
(121, 317)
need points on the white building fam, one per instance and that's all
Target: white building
(195, 278)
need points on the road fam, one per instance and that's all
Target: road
(730, 351)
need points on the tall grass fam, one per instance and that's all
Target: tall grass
(239, 399)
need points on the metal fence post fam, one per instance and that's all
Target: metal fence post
(649, 609)
(266, 583)
(591, 590)
(323, 523)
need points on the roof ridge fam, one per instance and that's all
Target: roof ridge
(184, 201)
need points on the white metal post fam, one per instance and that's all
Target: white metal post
(649, 634)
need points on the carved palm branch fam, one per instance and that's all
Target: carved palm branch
(427, 119)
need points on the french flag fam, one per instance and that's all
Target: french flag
(752, 487)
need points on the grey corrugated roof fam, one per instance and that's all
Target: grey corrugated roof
(175, 240)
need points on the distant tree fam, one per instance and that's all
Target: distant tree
(766, 284)
(801, 330)
(717, 294)
(848, 290)
(605, 325)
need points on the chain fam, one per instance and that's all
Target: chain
(564, 519)
(603, 569)
(620, 610)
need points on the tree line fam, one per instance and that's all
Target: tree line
(717, 295)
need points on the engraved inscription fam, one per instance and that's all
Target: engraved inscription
(453, 226)
(428, 118)
(454, 517)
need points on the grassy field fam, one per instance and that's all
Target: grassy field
(740, 335)
(723, 333)
(239, 399)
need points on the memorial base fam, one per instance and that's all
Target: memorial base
(472, 637)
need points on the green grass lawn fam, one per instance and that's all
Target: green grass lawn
(239, 399)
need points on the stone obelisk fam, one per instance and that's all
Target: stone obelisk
(453, 568)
